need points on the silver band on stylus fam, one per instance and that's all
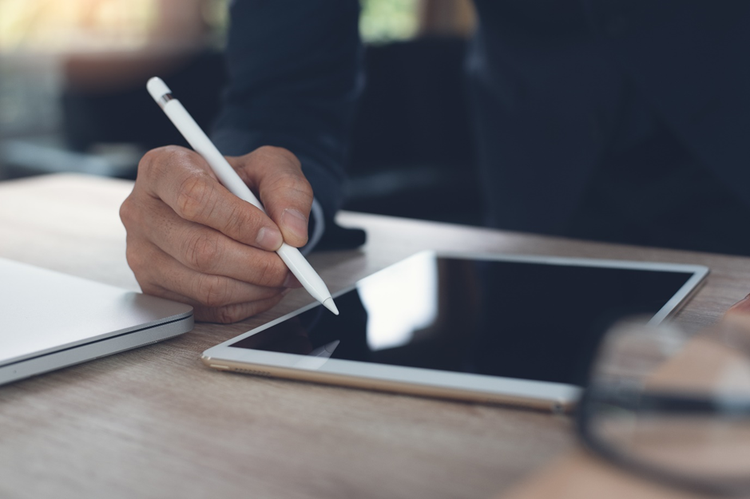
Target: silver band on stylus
(164, 99)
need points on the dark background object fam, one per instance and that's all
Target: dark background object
(130, 115)
(411, 152)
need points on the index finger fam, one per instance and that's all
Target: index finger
(184, 181)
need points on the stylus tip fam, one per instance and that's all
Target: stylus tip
(328, 303)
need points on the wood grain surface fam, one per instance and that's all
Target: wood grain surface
(154, 422)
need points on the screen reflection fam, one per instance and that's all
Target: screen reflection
(400, 300)
(515, 319)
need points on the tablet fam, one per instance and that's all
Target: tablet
(488, 328)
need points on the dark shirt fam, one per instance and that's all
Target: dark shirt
(560, 89)
(295, 73)
(564, 87)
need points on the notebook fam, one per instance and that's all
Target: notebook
(52, 320)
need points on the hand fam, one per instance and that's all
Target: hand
(737, 322)
(742, 307)
(190, 240)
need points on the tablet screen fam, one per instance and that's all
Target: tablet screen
(528, 320)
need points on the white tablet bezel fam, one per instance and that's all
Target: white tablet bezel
(429, 382)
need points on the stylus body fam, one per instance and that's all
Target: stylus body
(199, 141)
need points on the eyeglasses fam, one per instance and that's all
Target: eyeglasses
(671, 406)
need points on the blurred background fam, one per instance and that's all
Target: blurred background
(72, 95)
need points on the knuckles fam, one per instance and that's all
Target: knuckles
(242, 223)
(135, 259)
(202, 251)
(288, 182)
(139, 264)
(283, 168)
(155, 160)
(270, 272)
(194, 195)
(214, 292)
(226, 315)
(234, 313)
(269, 152)
(128, 212)
(191, 197)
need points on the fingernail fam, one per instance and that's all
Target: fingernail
(269, 239)
(295, 221)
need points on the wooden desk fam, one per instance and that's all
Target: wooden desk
(154, 422)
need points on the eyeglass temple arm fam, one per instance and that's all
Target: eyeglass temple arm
(670, 403)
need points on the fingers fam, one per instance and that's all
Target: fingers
(284, 191)
(208, 251)
(738, 317)
(191, 240)
(182, 179)
(236, 312)
(739, 314)
(741, 307)
(215, 298)
(224, 314)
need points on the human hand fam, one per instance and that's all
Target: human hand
(190, 240)
(742, 307)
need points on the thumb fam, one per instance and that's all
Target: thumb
(276, 175)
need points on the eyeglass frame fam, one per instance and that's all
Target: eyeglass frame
(659, 402)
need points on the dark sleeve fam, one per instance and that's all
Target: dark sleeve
(295, 72)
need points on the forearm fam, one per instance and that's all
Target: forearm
(295, 73)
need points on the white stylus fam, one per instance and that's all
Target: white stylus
(189, 129)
